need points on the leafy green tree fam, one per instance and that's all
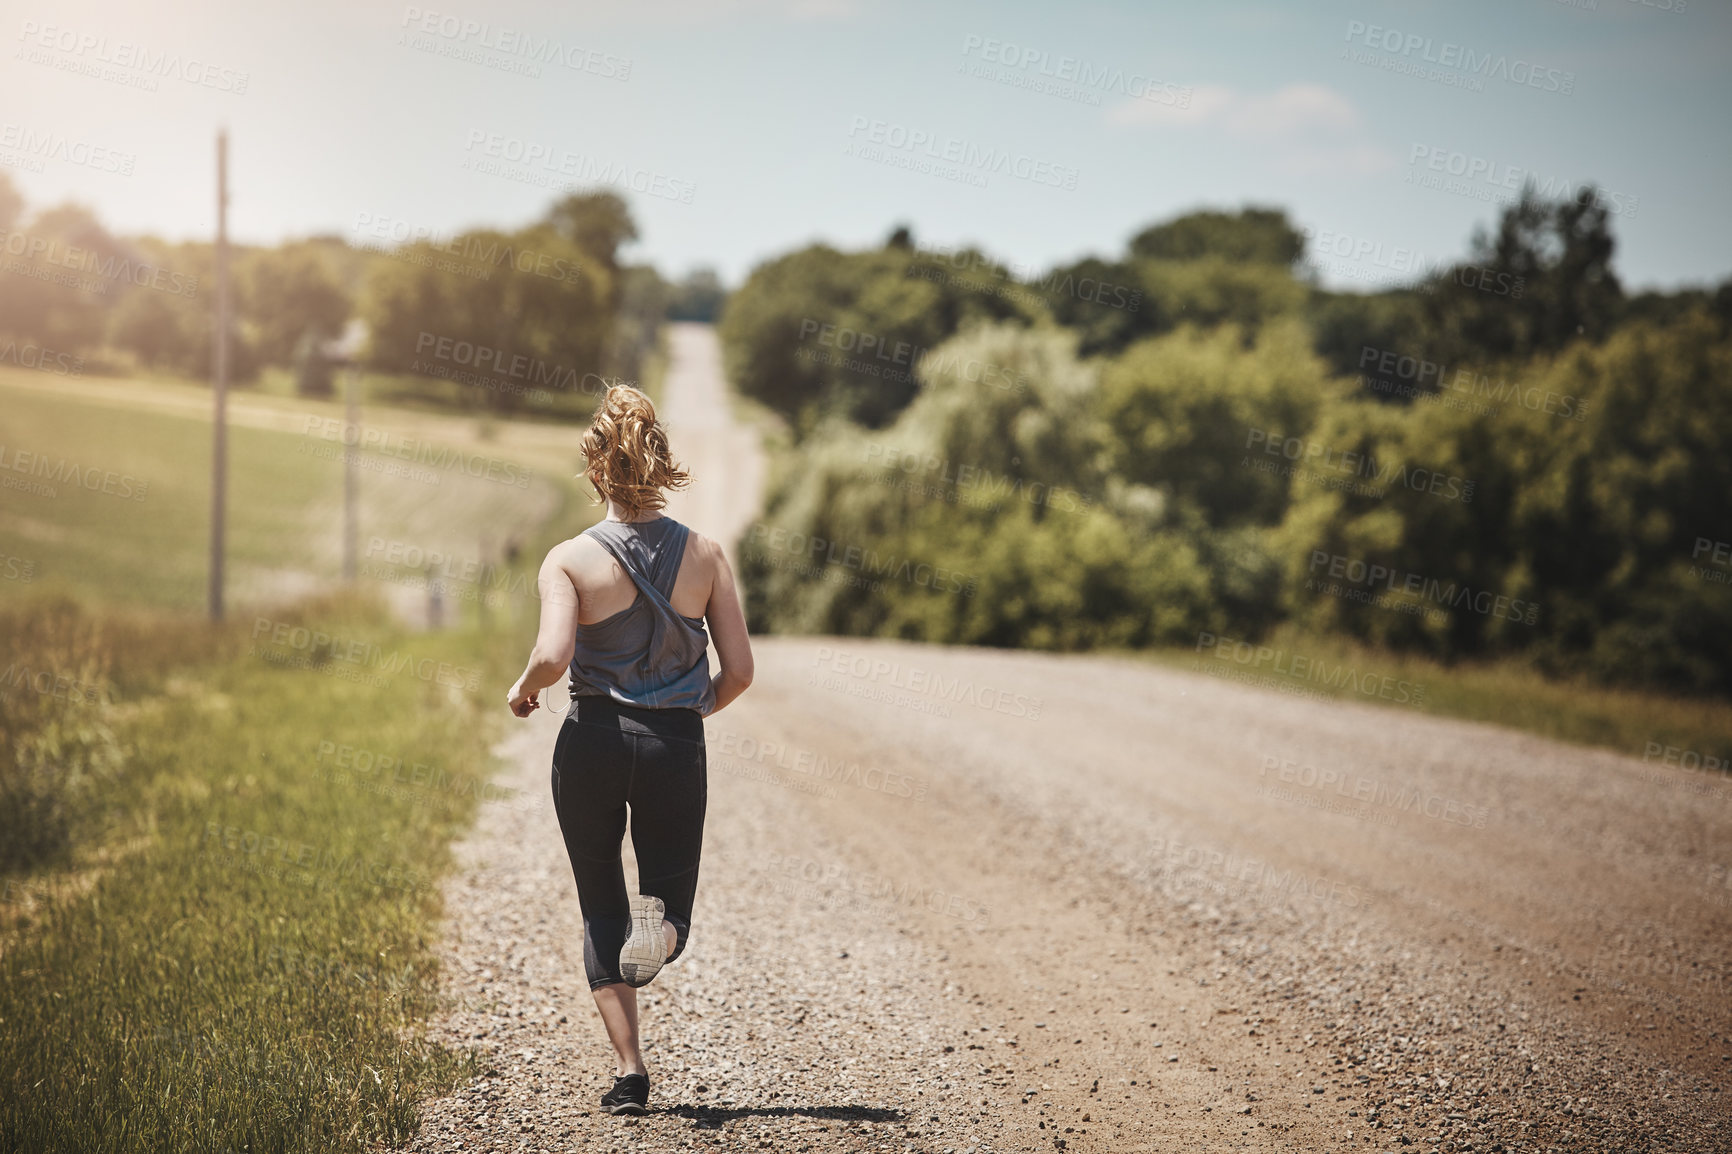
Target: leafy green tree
(1542, 280)
(643, 305)
(1193, 411)
(598, 224)
(1597, 474)
(550, 293)
(1425, 494)
(286, 294)
(1611, 512)
(1194, 414)
(1203, 268)
(820, 333)
(1105, 302)
(170, 325)
(992, 484)
(1345, 325)
(1249, 236)
(59, 291)
(1213, 290)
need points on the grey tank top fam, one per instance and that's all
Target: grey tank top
(646, 654)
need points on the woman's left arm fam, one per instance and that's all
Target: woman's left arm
(556, 641)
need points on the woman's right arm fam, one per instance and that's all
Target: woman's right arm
(556, 639)
(727, 622)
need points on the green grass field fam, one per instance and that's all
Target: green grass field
(1498, 693)
(230, 951)
(221, 846)
(144, 541)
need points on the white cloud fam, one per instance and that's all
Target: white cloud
(1306, 127)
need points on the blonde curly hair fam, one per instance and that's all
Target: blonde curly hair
(626, 448)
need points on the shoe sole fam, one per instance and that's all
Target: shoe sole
(639, 959)
(627, 1108)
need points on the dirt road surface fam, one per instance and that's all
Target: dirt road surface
(959, 899)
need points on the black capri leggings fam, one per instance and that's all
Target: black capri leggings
(609, 757)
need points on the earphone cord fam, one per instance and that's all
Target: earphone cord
(564, 709)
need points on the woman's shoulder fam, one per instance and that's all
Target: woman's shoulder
(577, 554)
(701, 546)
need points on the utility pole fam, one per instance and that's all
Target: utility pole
(345, 354)
(351, 467)
(220, 385)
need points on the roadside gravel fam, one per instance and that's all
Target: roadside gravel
(1111, 925)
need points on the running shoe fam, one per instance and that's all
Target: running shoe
(646, 947)
(630, 1095)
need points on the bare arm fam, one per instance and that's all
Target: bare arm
(556, 640)
(727, 622)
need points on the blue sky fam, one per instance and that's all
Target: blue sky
(755, 127)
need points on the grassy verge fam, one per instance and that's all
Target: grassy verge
(223, 943)
(220, 847)
(110, 504)
(1507, 693)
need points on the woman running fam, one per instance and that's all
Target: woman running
(623, 605)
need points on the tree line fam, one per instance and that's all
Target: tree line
(532, 320)
(1505, 455)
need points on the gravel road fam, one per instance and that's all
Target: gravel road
(959, 899)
